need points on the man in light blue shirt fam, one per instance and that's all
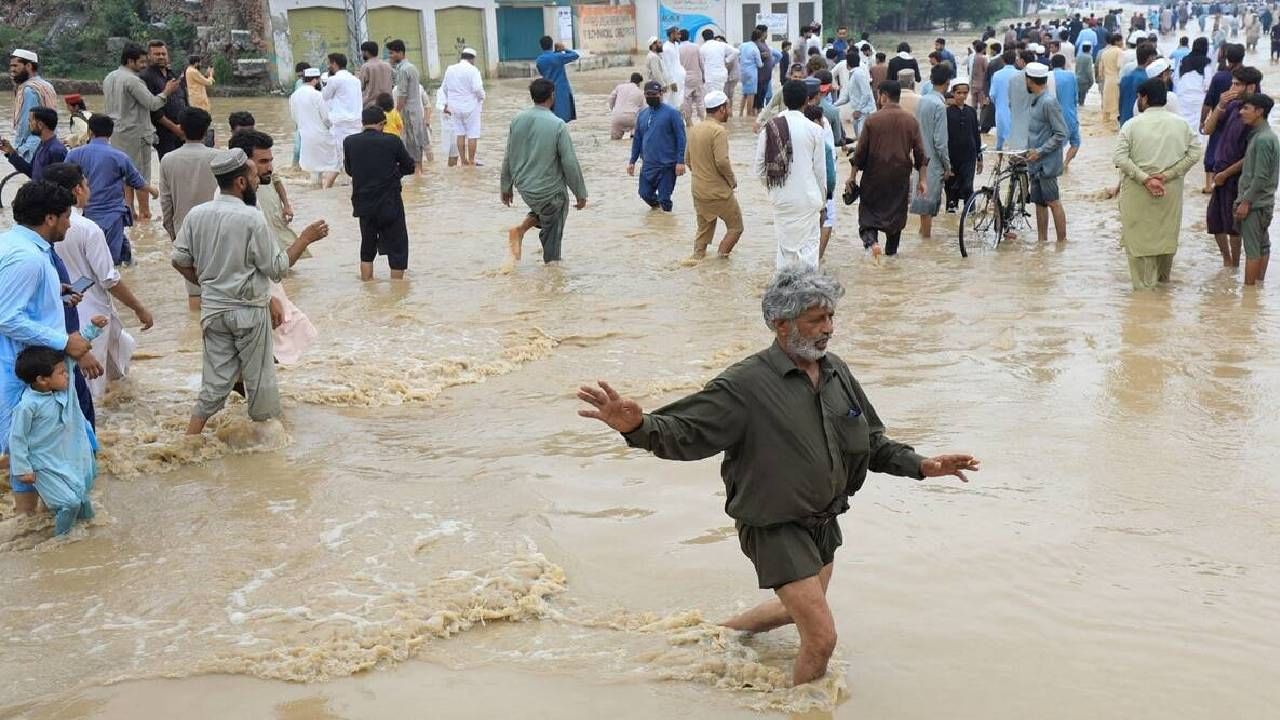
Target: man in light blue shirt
(1065, 91)
(31, 307)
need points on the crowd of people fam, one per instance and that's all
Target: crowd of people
(913, 134)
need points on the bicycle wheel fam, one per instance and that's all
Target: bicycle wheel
(980, 223)
(9, 187)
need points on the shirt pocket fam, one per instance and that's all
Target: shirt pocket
(851, 430)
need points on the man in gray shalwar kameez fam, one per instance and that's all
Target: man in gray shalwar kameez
(932, 115)
(408, 94)
(226, 247)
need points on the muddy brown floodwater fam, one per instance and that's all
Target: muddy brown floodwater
(435, 527)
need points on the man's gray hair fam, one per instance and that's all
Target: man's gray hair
(797, 288)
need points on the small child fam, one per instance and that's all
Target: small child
(395, 124)
(51, 445)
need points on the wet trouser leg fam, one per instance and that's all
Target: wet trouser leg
(551, 216)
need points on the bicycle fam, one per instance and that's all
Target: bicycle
(995, 209)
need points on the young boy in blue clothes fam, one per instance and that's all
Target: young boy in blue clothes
(50, 443)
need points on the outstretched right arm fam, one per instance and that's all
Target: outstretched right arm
(696, 427)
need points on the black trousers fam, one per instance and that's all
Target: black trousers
(870, 236)
(378, 237)
(960, 186)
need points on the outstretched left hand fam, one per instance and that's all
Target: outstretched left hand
(941, 465)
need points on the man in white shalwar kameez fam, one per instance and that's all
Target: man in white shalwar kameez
(344, 99)
(675, 69)
(796, 180)
(85, 253)
(319, 154)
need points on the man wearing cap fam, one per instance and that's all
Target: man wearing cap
(713, 183)
(1129, 83)
(540, 163)
(1154, 152)
(79, 115)
(791, 160)
(909, 98)
(659, 139)
(42, 122)
(130, 103)
(376, 161)
(964, 145)
(655, 67)
(343, 99)
(1162, 68)
(319, 152)
(225, 246)
(186, 181)
(1047, 132)
(463, 98)
(30, 91)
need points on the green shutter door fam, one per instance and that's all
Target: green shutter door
(316, 32)
(396, 23)
(458, 28)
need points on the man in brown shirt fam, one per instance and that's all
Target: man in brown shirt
(798, 436)
(375, 74)
(707, 157)
(889, 148)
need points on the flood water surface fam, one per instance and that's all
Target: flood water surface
(433, 526)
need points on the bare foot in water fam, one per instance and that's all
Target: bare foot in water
(694, 259)
(515, 243)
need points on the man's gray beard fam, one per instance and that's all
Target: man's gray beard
(803, 347)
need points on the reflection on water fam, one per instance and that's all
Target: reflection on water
(432, 495)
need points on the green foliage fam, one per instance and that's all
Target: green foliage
(906, 15)
(222, 70)
(117, 18)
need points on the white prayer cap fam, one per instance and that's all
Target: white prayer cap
(1136, 37)
(27, 55)
(715, 99)
(1036, 48)
(652, 39)
(1037, 70)
(958, 81)
(1157, 66)
(469, 52)
(228, 161)
(311, 72)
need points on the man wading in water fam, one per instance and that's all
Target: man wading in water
(798, 436)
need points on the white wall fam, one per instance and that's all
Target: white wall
(278, 21)
(647, 20)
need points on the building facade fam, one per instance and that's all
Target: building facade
(434, 31)
(734, 18)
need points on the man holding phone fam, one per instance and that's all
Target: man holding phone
(42, 122)
(31, 306)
